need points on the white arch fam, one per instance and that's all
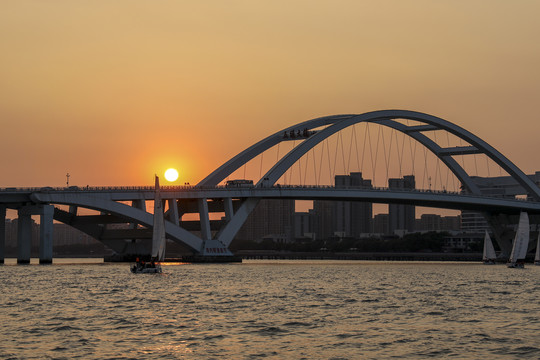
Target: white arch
(340, 122)
(385, 118)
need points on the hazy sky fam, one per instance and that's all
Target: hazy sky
(114, 91)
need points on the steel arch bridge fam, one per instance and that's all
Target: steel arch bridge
(208, 196)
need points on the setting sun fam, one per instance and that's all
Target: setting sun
(171, 175)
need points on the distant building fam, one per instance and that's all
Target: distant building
(324, 218)
(472, 221)
(401, 216)
(345, 218)
(304, 224)
(352, 218)
(380, 224)
(462, 241)
(433, 222)
(451, 223)
(270, 217)
(499, 186)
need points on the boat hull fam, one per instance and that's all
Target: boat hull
(515, 265)
(146, 270)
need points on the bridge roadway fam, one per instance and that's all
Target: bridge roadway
(111, 202)
(12, 197)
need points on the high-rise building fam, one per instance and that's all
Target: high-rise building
(347, 218)
(324, 218)
(304, 224)
(401, 216)
(361, 212)
(380, 224)
(270, 217)
(434, 222)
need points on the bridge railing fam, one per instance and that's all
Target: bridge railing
(172, 188)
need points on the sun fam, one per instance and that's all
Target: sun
(171, 175)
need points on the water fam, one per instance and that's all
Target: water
(276, 310)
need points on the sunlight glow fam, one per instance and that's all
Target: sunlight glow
(171, 175)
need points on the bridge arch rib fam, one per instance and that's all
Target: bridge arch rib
(337, 123)
(387, 118)
(134, 214)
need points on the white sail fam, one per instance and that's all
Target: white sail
(537, 255)
(521, 241)
(158, 235)
(489, 251)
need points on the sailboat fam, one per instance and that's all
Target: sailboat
(521, 242)
(158, 239)
(489, 252)
(537, 255)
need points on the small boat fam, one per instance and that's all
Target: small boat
(142, 267)
(521, 242)
(158, 239)
(537, 255)
(489, 255)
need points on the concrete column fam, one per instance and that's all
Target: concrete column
(2, 233)
(173, 212)
(46, 235)
(24, 236)
(229, 211)
(206, 233)
(139, 204)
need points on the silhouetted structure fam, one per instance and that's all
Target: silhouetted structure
(269, 218)
(401, 217)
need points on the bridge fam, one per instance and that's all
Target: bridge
(206, 237)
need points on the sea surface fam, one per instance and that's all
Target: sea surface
(270, 309)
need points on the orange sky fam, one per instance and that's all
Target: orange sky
(115, 91)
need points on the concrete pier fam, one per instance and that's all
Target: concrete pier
(2, 233)
(24, 235)
(46, 234)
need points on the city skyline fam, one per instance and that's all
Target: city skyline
(112, 93)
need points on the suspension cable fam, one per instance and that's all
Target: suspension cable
(306, 167)
(348, 168)
(438, 169)
(386, 160)
(291, 169)
(335, 158)
(342, 152)
(453, 176)
(321, 163)
(413, 155)
(371, 153)
(329, 162)
(315, 167)
(400, 153)
(364, 147)
(425, 169)
(355, 146)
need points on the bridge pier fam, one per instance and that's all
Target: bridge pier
(206, 233)
(173, 212)
(229, 210)
(2, 233)
(46, 234)
(24, 233)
